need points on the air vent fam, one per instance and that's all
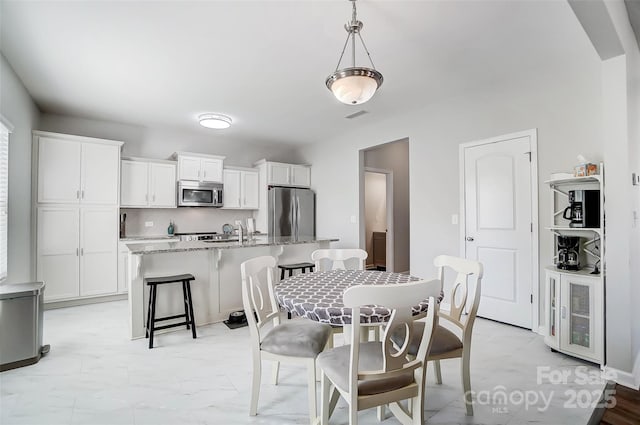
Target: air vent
(356, 115)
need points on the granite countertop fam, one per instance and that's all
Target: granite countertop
(178, 246)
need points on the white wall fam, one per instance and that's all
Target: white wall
(625, 320)
(160, 143)
(395, 157)
(375, 208)
(186, 220)
(563, 103)
(18, 108)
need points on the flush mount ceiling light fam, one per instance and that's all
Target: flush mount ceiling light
(216, 121)
(354, 85)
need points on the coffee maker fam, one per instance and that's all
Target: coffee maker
(583, 209)
(568, 252)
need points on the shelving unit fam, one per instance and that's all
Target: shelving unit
(574, 300)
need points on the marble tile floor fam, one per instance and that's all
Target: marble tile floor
(95, 375)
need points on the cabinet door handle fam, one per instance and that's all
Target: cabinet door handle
(154, 198)
(77, 252)
(146, 198)
(239, 202)
(81, 251)
(77, 194)
(204, 174)
(82, 194)
(563, 312)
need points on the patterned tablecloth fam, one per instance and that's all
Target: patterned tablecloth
(318, 296)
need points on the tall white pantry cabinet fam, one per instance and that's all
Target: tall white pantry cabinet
(77, 188)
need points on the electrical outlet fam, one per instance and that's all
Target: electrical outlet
(148, 224)
(635, 178)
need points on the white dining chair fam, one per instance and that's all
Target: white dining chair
(446, 344)
(337, 257)
(374, 374)
(294, 341)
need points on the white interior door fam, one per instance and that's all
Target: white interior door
(498, 226)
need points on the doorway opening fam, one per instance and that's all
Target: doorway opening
(384, 206)
(378, 193)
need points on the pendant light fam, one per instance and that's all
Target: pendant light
(354, 85)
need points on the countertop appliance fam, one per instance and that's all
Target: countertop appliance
(21, 325)
(568, 252)
(583, 209)
(199, 194)
(291, 212)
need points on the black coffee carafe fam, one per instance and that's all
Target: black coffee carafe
(568, 252)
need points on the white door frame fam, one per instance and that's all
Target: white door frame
(535, 265)
(390, 232)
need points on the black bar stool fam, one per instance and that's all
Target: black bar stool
(297, 266)
(291, 268)
(190, 320)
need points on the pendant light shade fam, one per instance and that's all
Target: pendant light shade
(354, 85)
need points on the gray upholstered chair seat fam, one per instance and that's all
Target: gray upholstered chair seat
(335, 364)
(297, 338)
(443, 340)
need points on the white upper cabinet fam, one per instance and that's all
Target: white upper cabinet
(134, 184)
(162, 185)
(211, 170)
(77, 170)
(241, 189)
(148, 184)
(281, 174)
(199, 167)
(301, 175)
(251, 190)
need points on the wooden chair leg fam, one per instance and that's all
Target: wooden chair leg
(185, 301)
(313, 409)
(436, 370)
(466, 384)
(152, 317)
(325, 399)
(192, 316)
(255, 384)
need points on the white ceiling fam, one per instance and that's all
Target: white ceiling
(264, 62)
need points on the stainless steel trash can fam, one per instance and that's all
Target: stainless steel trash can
(21, 325)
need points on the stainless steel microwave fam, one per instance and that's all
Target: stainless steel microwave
(199, 194)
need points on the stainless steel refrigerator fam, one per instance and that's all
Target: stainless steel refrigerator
(292, 212)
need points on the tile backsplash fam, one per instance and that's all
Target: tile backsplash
(186, 220)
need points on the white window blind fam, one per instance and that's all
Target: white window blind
(4, 198)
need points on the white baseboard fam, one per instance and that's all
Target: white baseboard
(542, 330)
(626, 379)
(636, 370)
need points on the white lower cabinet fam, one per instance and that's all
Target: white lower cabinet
(77, 251)
(574, 311)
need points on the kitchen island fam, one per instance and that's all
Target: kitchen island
(215, 265)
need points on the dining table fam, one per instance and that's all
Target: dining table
(318, 295)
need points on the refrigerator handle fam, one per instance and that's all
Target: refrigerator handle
(297, 215)
(294, 211)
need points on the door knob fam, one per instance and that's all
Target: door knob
(470, 238)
